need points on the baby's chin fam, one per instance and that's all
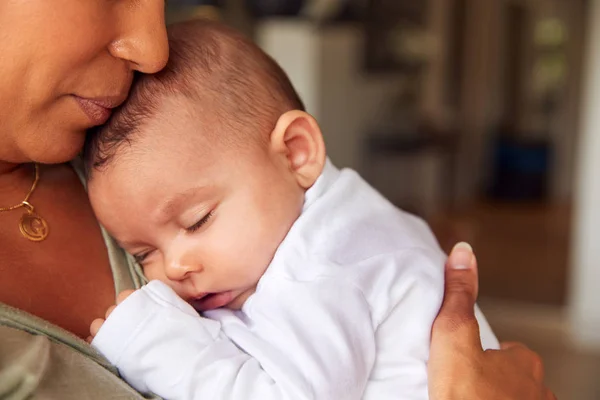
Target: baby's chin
(239, 301)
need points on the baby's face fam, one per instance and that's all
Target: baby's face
(203, 218)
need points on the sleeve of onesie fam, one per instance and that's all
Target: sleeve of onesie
(405, 296)
(315, 341)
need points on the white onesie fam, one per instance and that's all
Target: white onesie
(344, 311)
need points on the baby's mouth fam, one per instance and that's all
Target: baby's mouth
(211, 301)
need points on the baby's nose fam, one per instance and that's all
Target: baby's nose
(177, 271)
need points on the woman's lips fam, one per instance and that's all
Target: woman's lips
(98, 110)
(213, 300)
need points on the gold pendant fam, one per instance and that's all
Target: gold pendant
(33, 227)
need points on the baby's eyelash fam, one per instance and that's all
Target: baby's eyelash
(200, 223)
(140, 258)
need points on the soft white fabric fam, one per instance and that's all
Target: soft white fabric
(344, 311)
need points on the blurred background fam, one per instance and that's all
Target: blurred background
(481, 116)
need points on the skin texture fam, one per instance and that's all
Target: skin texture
(458, 367)
(51, 53)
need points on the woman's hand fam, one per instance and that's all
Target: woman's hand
(98, 322)
(458, 367)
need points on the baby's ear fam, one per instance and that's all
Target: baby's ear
(297, 136)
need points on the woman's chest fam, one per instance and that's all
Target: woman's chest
(66, 278)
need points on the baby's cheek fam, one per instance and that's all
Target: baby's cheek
(154, 272)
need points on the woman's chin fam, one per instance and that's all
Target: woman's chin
(56, 151)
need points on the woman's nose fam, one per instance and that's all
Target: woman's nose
(143, 39)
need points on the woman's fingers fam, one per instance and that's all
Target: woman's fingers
(527, 357)
(462, 279)
(510, 345)
(457, 314)
(458, 368)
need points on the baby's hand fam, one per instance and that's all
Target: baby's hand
(97, 323)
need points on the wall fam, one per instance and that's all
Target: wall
(479, 94)
(585, 280)
(568, 122)
(433, 100)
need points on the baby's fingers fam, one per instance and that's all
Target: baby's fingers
(95, 326)
(109, 311)
(123, 295)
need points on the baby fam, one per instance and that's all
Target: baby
(273, 275)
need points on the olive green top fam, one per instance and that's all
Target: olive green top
(40, 360)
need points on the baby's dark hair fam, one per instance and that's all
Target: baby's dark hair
(211, 64)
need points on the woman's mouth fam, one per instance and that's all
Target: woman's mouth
(211, 301)
(98, 110)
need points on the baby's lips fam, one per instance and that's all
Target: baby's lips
(212, 301)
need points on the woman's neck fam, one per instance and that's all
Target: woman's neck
(8, 152)
(12, 176)
(8, 167)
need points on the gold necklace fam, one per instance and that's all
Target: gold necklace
(31, 225)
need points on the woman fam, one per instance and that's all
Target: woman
(65, 64)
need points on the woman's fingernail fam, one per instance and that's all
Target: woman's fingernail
(461, 256)
(463, 246)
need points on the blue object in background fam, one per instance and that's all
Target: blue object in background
(521, 169)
